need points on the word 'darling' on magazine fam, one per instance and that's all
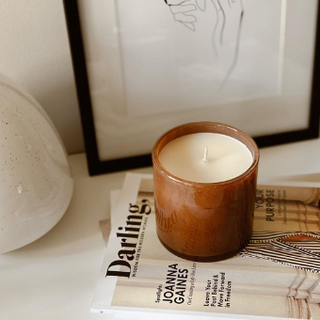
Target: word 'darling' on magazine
(131, 238)
(218, 292)
(174, 289)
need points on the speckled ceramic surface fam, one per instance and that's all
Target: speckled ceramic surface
(36, 184)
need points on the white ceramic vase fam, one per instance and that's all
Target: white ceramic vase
(36, 184)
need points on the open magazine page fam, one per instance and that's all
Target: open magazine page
(139, 275)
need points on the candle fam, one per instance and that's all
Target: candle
(204, 190)
(206, 157)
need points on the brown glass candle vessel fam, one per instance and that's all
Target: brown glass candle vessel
(204, 221)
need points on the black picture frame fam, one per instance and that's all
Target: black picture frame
(97, 166)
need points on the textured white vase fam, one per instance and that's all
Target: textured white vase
(36, 184)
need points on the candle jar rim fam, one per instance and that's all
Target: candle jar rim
(205, 124)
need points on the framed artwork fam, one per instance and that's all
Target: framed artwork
(145, 66)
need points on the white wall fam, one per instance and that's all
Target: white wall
(35, 52)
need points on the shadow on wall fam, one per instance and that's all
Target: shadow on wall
(59, 100)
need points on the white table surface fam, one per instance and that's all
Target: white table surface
(55, 277)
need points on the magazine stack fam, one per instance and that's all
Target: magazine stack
(275, 276)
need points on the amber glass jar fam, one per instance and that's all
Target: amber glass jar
(203, 221)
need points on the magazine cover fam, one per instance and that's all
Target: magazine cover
(276, 275)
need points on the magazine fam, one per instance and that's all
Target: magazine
(276, 275)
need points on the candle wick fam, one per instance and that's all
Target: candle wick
(205, 155)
